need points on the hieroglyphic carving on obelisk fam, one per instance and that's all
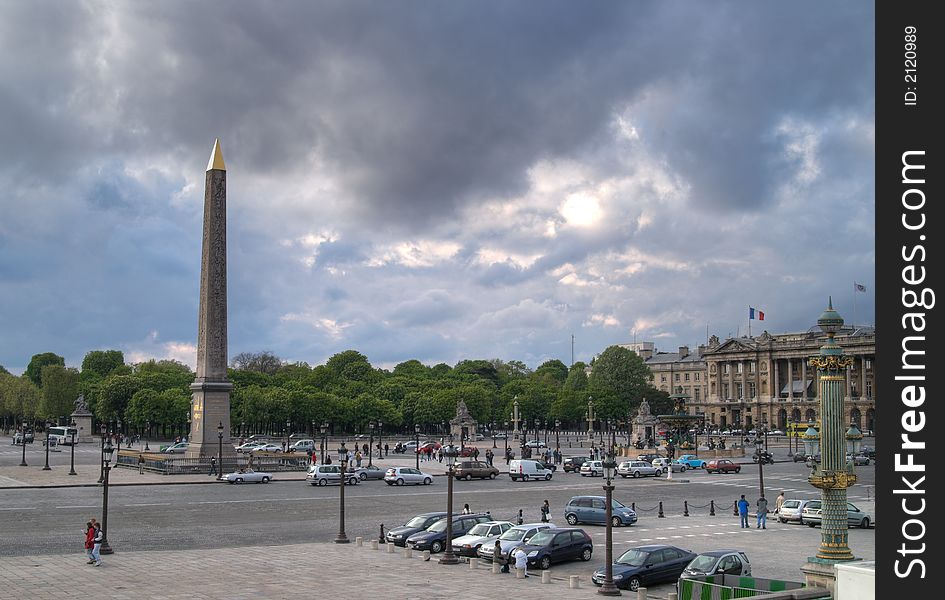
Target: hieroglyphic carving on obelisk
(211, 388)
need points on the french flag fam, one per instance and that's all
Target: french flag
(752, 311)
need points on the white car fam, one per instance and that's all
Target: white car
(325, 474)
(405, 475)
(592, 468)
(266, 448)
(637, 468)
(178, 448)
(663, 464)
(536, 444)
(248, 475)
(248, 446)
(483, 533)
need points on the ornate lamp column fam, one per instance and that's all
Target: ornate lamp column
(515, 432)
(450, 452)
(608, 588)
(832, 475)
(342, 538)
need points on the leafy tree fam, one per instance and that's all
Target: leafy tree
(21, 399)
(261, 362)
(102, 362)
(299, 372)
(412, 368)
(478, 368)
(570, 406)
(245, 379)
(3, 371)
(622, 372)
(115, 394)
(147, 405)
(555, 369)
(441, 370)
(338, 363)
(577, 377)
(34, 371)
(59, 391)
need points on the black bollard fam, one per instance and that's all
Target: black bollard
(661, 515)
(685, 508)
(381, 539)
(711, 508)
(633, 506)
(735, 508)
(520, 519)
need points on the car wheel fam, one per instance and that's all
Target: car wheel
(738, 469)
(427, 481)
(548, 477)
(362, 476)
(572, 519)
(239, 480)
(782, 520)
(682, 469)
(322, 482)
(616, 522)
(231, 482)
(659, 472)
(545, 563)
(436, 546)
(811, 524)
(265, 480)
(865, 523)
(400, 482)
(586, 555)
(636, 474)
(634, 584)
(491, 475)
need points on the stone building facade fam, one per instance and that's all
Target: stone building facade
(747, 382)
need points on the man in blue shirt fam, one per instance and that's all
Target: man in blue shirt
(743, 511)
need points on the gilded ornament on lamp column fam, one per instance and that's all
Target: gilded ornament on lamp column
(830, 363)
(832, 480)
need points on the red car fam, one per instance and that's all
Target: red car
(428, 446)
(722, 465)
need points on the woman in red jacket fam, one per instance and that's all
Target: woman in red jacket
(89, 542)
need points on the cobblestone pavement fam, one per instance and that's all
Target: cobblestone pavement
(346, 571)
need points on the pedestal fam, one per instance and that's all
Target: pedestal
(83, 427)
(821, 573)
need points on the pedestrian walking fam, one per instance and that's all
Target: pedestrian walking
(778, 502)
(357, 458)
(762, 506)
(213, 465)
(386, 450)
(89, 542)
(466, 510)
(521, 560)
(97, 545)
(439, 454)
(545, 512)
(743, 511)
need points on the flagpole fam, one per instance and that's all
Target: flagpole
(854, 305)
(749, 321)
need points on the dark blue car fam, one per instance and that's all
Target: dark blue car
(434, 537)
(646, 565)
(558, 545)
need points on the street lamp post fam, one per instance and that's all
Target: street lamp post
(324, 430)
(416, 450)
(557, 432)
(759, 452)
(370, 459)
(341, 538)
(23, 443)
(220, 450)
(380, 437)
(608, 588)
(506, 440)
(72, 448)
(101, 475)
(854, 439)
(107, 450)
(450, 452)
(48, 425)
(117, 437)
(288, 430)
(492, 429)
(147, 434)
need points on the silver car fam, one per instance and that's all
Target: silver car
(512, 539)
(248, 475)
(637, 468)
(855, 517)
(325, 474)
(791, 510)
(405, 475)
(481, 534)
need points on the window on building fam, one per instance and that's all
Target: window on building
(663, 378)
(725, 368)
(738, 367)
(713, 388)
(869, 388)
(696, 394)
(868, 363)
(697, 376)
(738, 390)
(725, 393)
(751, 389)
(687, 377)
(677, 376)
(751, 367)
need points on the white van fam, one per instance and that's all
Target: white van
(528, 469)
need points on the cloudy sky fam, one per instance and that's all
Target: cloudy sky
(433, 180)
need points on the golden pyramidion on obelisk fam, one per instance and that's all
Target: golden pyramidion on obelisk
(216, 158)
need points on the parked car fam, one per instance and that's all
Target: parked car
(855, 517)
(480, 437)
(776, 432)
(468, 451)
(304, 446)
(573, 463)
(405, 475)
(718, 562)
(722, 465)
(691, 461)
(868, 451)
(433, 538)
(558, 545)
(512, 539)
(398, 535)
(858, 459)
(432, 446)
(662, 463)
(526, 469)
(593, 509)
(536, 444)
(369, 472)
(647, 565)
(637, 468)
(266, 448)
(248, 446)
(467, 469)
(800, 457)
(18, 438)
(500, 435)
(592, 468)
(404, 447)
(649, 457)
(178, 448)
(325, 474)
(248, 475)
(791, 510)
(482, 533)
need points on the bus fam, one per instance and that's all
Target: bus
(62, 435)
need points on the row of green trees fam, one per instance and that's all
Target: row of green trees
(347, 391)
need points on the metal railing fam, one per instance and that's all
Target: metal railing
(176, 465)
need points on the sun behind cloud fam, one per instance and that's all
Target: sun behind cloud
(581, 210)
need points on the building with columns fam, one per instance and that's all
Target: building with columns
(746, 382)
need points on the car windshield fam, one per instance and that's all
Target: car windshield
(616, 504)
(513, 535)
(480, 529)
(416, 522)
(542, 538)
(703, 563)
(633, 558)
(438, 526)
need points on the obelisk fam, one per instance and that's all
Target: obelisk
(210, 404)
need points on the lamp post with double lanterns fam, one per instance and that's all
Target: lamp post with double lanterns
(341, 538)
(760, 454)
(48, 425)
(324, 430)
(107, 451)
(854, 439)
(608, 588)
(370, 456)
(557, 436)
(147, 434)
(101, 476)
(220, 450)
(416, 450)
(450, 452)
(492, 429)
(72, 432)
(23, 443)
(506, 440)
